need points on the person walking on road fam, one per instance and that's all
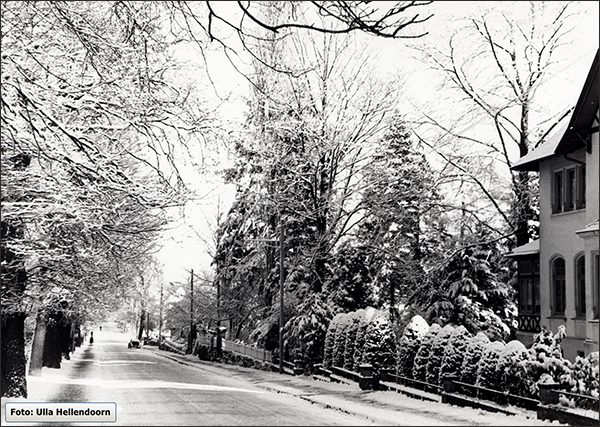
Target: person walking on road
(91, 337)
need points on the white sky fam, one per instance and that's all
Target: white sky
(184, 249)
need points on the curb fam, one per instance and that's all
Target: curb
(299, 393)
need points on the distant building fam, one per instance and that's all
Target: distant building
(558, 273)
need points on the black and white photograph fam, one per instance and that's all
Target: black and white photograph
(299, 213)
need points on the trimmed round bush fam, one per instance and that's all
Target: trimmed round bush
(422, 356)
(361, 335)
(454, 353)
(475, 349)
(351, 332)
(486, 368)
(329, 341)
(510, 369)
(339, 340)
(436, 354)
(380, 344)
(409, 345)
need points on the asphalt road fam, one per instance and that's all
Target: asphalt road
(153, 390)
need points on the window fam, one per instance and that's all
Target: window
(595, 280)
(568, 189)
(558, 286)
(580, 286)
(529, 286)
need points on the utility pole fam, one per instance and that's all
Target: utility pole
(190, 335)
(281, 280)
(160, 319)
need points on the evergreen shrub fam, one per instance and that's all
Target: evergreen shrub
(454, 353)
(486, 367)
(379, 348)
(409, 345)
(436, 354)
(475, 349)
(422, 356)
(350, 343)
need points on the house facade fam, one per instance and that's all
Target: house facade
(558, 273)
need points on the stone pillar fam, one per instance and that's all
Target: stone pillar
(365, 379)
(449, 384)
(548, 395)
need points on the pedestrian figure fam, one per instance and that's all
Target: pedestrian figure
(100, 327)
(91, 337)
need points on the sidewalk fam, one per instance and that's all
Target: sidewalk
(384, 407)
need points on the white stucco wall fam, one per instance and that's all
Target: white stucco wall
(558, 237)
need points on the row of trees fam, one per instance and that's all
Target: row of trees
(97, 111)
(86, 112)
(330, 159)
(95, 119)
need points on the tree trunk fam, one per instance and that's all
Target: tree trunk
(14, 381)
(12, 353)
(37, 348)
(52, 354)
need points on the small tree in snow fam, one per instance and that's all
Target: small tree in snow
(436, 354)
(351, 331)
(454, 353)
(422, 356)
(486, 368)
(545, 357)
(475, 348)
(409, 345)
(380, 343)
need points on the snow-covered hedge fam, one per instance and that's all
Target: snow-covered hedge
(487, 375)
(339, 341)
(436, 354)
(379, 348)
(511, 371)
(454, 353)
(409, 345)
(329, 341)
(351, 332)
(475, 349)
(422, 356)
(361, 336)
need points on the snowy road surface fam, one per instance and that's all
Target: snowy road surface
(151, 389)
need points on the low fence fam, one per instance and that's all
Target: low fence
(499, 397)
(387, 375)
(255, 353)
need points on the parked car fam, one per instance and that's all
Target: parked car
(133, 343)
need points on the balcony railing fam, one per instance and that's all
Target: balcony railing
(529, 323)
